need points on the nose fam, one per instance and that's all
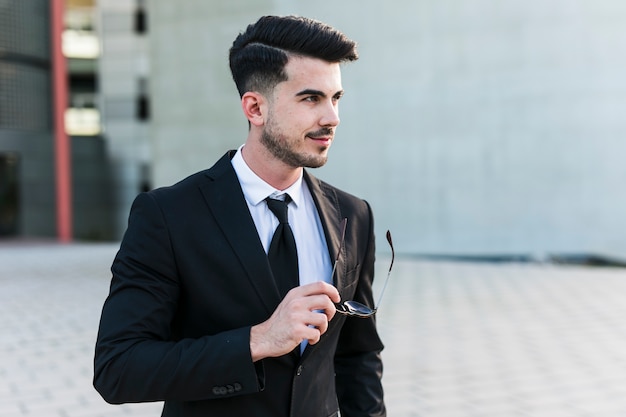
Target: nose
(330, 117)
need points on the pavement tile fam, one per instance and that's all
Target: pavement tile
(462, 339)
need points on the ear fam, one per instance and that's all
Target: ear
(253, 105)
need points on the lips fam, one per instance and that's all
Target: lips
(322, 135)
(322, 139)
(322, 142)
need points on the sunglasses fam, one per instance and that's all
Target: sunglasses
(354, 308)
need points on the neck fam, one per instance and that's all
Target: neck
(271, 170)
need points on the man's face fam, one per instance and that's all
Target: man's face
(303, 113)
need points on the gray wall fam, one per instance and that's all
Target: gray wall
(92, 190)
(36, 187)
(196, 107)
(472, 127)
(123, 64)
(92, 203)
(25, 117)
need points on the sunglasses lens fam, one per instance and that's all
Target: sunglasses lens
(358, 309)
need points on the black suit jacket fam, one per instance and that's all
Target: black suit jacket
(190, 279)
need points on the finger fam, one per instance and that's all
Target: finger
(313, 335)
(330, 312)
(320, 304)
(299, 302)
(332, 293)
(319, 287)
(319, 320)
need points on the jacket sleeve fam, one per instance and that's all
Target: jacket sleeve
(358, 364)
(137, 356)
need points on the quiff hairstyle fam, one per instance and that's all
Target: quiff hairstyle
(259, 55)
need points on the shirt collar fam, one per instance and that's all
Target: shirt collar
(255, 190)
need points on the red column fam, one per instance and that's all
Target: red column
(62, 146)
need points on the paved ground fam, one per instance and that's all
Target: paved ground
(463, 339)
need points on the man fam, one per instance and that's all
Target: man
(195, 316)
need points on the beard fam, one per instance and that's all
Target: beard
(284, 149)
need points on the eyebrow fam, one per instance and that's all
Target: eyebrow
(311, 92)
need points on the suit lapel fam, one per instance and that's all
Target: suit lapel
(224, 197)
(327, 205)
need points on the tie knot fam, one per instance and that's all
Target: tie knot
(279, 208)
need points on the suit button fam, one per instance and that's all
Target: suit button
(299, 370)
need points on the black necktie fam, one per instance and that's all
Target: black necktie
(283, 255)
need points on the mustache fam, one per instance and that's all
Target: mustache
(325, 131)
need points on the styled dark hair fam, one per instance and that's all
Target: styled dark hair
(259, 55)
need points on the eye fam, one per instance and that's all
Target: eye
(312, 99)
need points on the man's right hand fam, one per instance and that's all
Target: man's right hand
(303, 314)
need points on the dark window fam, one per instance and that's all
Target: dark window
(143, 101)
(141, 18)
(9, 194)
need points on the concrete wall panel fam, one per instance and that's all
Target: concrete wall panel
(472, 127)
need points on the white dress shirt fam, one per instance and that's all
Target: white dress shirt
(314, 263)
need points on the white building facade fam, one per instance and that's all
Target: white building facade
(472, 127)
